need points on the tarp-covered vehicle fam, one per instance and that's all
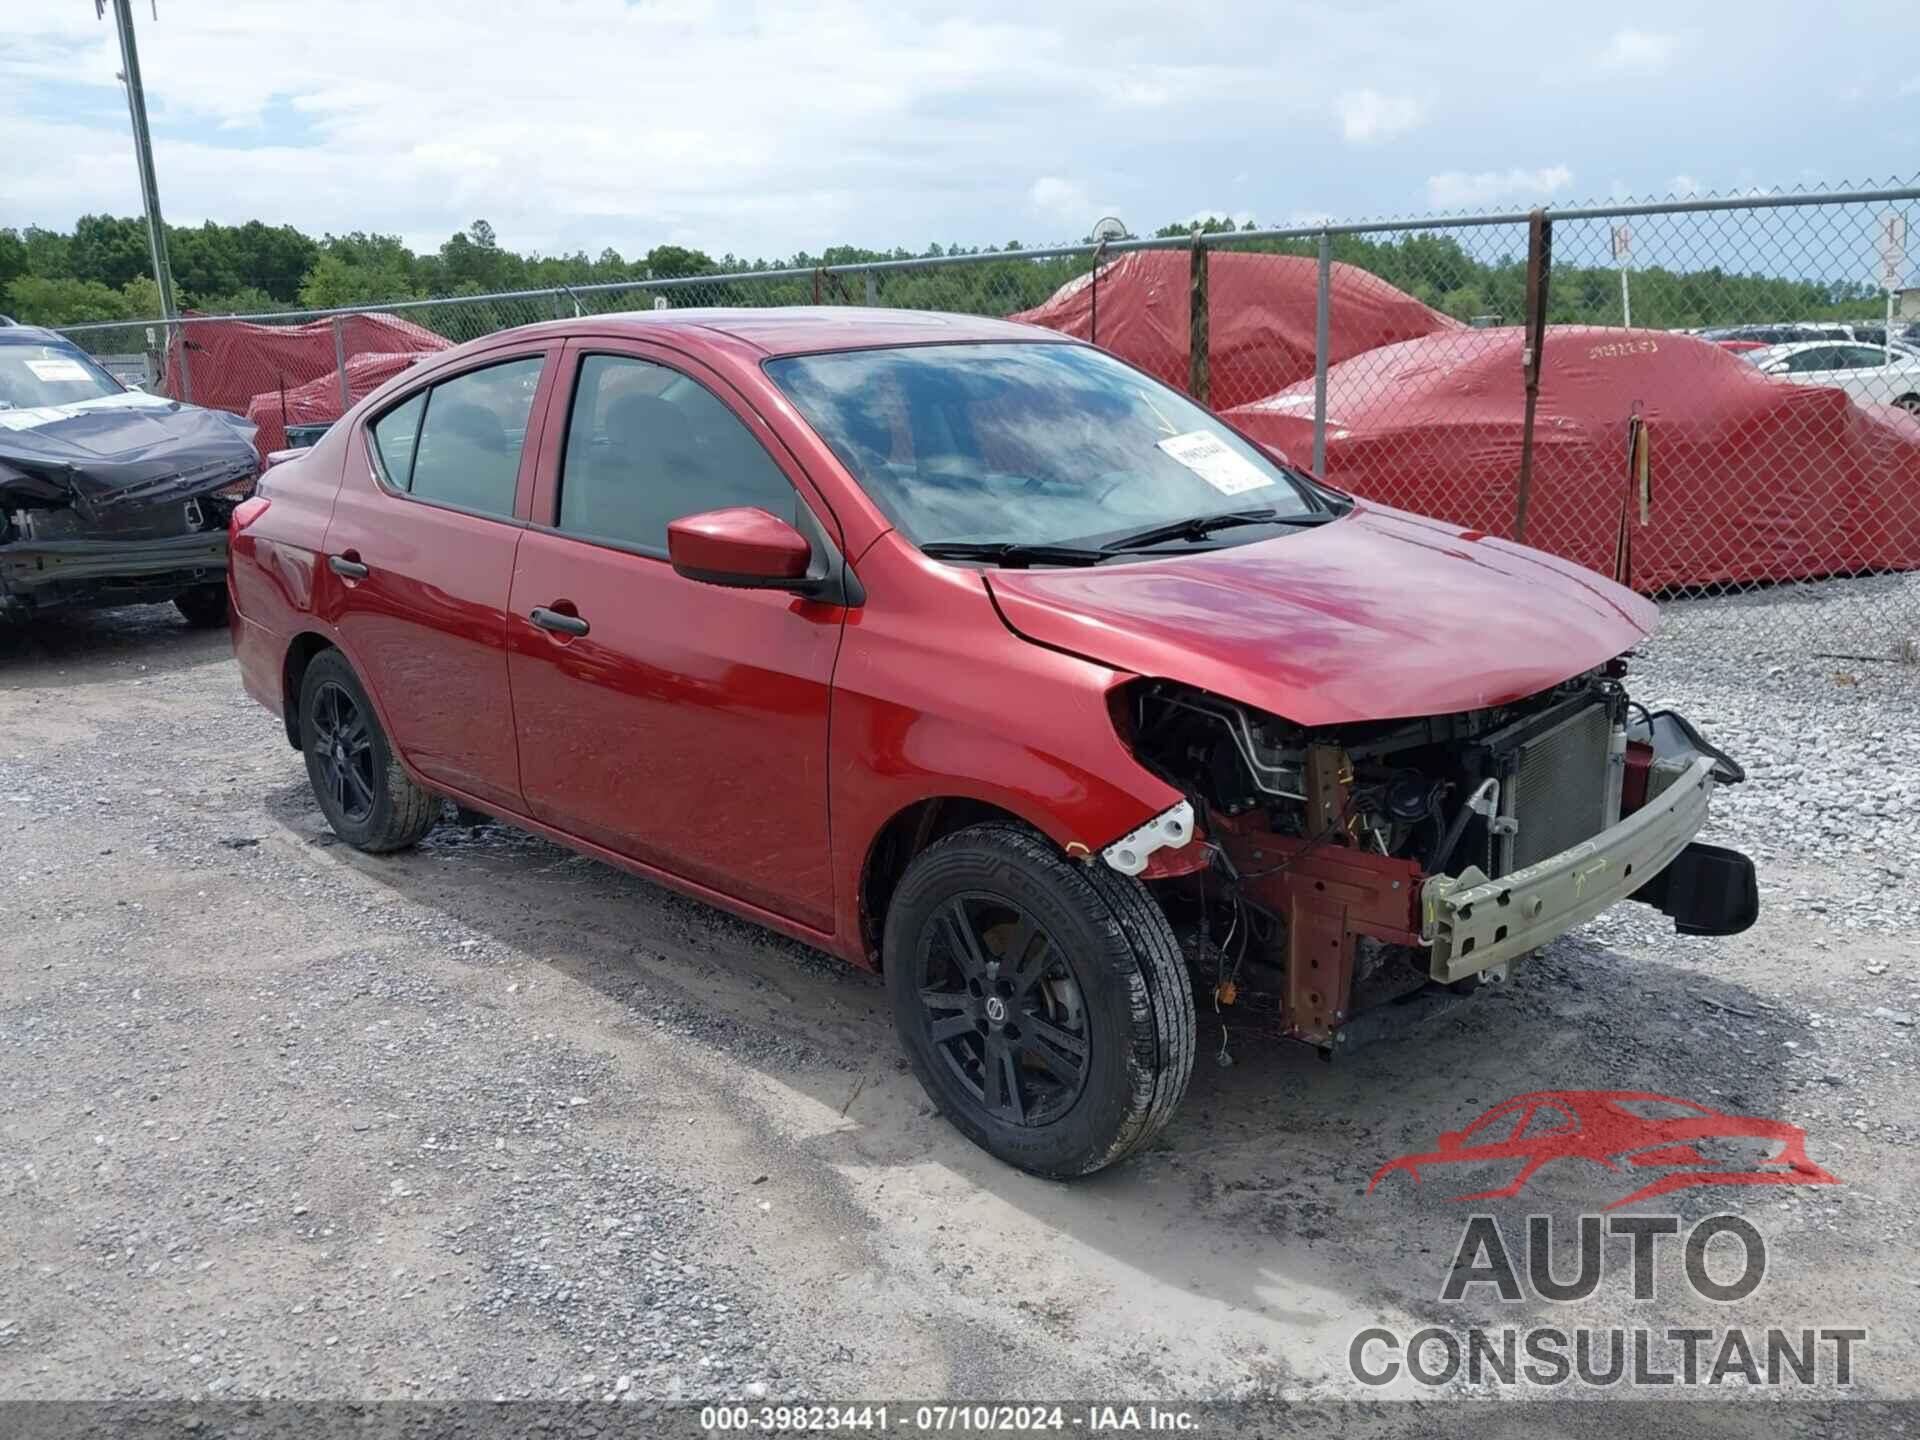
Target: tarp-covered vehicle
(317, 402)
(1659, 459)
(1263, 310)
(110, 496)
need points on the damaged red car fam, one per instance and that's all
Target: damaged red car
(976, 656)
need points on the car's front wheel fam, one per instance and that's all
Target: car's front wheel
(367, 797)
(1044, 1004)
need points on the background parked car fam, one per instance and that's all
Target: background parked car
(110, 496)
(1872, 374)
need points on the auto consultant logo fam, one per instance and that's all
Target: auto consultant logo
(1643, 1145)
(1492, 1264)
(1675, 1144)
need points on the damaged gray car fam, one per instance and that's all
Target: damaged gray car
(110, 496)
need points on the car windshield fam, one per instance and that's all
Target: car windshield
(34, 375)
(1030, 443)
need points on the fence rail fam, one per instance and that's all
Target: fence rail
(1390, 356)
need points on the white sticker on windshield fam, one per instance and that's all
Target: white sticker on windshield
(59, 369)
(1228, 471)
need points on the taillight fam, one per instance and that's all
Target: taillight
(246, 512)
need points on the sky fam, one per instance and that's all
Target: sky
(763, 130)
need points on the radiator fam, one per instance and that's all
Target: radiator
(1556, 791)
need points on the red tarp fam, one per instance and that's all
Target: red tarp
(228, 362)
(319, 399)
(1260, 316)
(1750, 478)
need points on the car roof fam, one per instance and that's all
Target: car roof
(1796, 347)
(17, 334)
(805, 329)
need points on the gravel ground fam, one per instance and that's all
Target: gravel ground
(489, 1119)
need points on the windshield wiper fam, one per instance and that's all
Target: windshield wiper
(1014, 554)
(1198, 527)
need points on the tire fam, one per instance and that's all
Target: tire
(1102, 972)
(366, 796)
(204, 606)
(1909, 403)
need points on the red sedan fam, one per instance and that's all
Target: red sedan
(972, 654)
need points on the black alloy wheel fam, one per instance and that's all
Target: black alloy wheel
(1003, 1010)
(343, 747)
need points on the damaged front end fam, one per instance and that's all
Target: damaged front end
(119, 500)
(1356, 877)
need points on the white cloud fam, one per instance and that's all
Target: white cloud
(756, 128)
(1683, 184)
(1064, 202)
(1367, 115)
(1644, 52)
(1457, 190)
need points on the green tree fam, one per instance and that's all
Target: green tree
(110, 249)
(40, 300)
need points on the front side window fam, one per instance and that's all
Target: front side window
(646, 446)
(1027, 443)
(459, 442)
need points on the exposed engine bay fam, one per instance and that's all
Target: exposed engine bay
(1333, 870)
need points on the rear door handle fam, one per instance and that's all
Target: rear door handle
(351, 569)
(555, 620)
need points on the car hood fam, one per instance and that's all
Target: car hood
(120, 452)
(1379, 615)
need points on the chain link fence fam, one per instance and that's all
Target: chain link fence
(1714, 401)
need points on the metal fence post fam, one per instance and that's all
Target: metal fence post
(186, 370)
(340, 361)
(1539, 273)
(1322, 318)
(873, 289)
(1199, 371)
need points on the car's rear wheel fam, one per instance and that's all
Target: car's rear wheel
(204, 606)
(1044, 1005)
(367, 797)
(1909, 403)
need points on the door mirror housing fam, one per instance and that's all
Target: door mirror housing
(743, 547)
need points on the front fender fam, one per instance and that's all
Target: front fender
(934, 698)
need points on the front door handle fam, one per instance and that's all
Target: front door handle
(558, 621)
(350, 568)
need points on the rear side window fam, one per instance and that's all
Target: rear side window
(394, 434)
(459, 443)
(646, 445)
(1822, 359)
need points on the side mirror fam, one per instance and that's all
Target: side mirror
(743, 547)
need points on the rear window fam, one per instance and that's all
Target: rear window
(459, 442)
